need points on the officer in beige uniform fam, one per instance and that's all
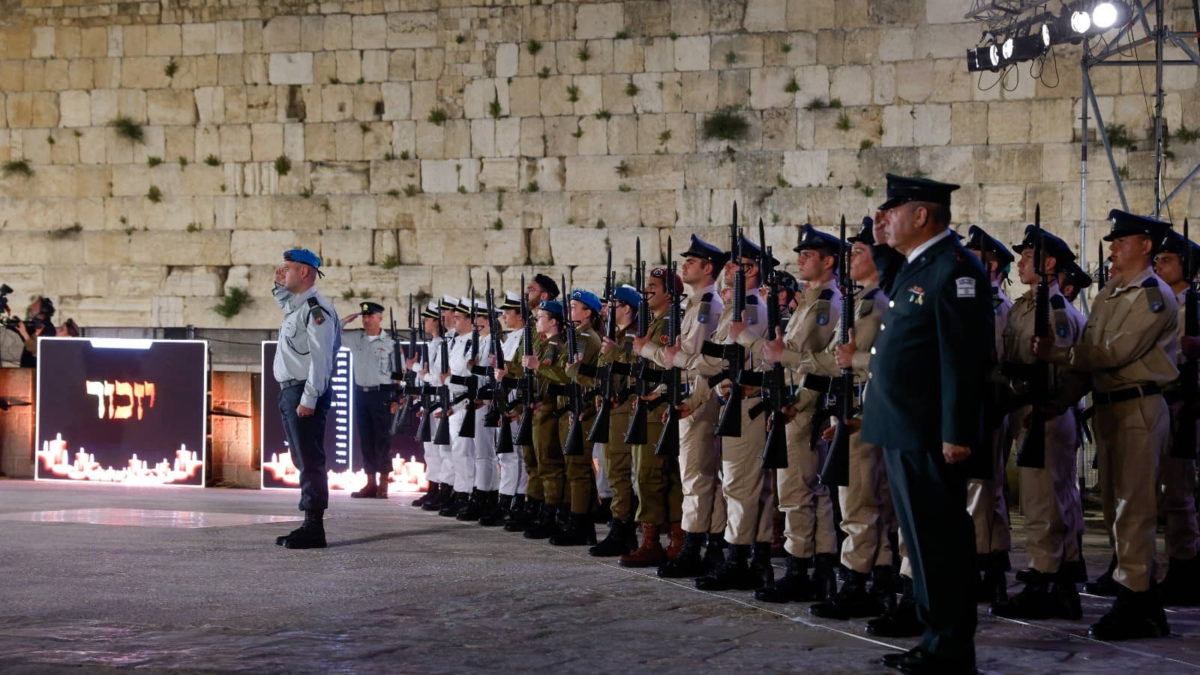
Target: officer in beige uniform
(809, 528)
(1178, 499)
(1128, 351)
(986, 500)
(699, 451)
(373, 392)
(1049, 494)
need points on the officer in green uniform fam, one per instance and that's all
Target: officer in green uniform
(930, 426)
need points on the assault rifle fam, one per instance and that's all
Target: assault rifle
(668, 440)
(1184, 446)
(1032, 453)
(528, 383)
(836, 470)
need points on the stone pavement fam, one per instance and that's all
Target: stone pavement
(103, 577)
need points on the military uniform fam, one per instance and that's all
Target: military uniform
(439, 455)
(1128, 350)
(941, 302)
(514, 479)
(549, 465)
(373, 393)
(580, 476)
(462, 441)
(485, 493)
(309, 337)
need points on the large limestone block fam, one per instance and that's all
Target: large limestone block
(75, 108)
(199, 38)
(356, 212)
(692, 53)
(291, 68)
(229, 37)
(281, 34)
(263, 248)
(170, 107)
(164, 40)
(768, 88)
(603, 20)
(192, 281)
(448, 175)
(593, 173)
(408, 30)
(370, 32)
(340, 178)
(1008, 122)
(931, 124)
(144, 73)
(346, 247)
(301, 215)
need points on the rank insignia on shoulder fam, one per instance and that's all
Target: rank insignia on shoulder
(316, 311)
(964, 287)
(826, 294)
(1154, 295)
(702, 317)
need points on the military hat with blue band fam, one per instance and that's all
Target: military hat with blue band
(511, 301)
(901, 190)
(546, 284)
(812, 238)
(628, 295)
(706, 251)
(752, 250)
(1051, 245)
(305, 256)
(980, 240)
(587, 298)
(1125, 224)
(367, 308)
(552, 306)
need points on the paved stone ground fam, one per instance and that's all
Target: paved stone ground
(402, 590)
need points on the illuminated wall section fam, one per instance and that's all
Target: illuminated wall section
(129, 412)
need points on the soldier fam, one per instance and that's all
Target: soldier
(462, 441)
(865, 502)
(659, 491)
(308, 339)
(1128, 352)
(699, 452)
(1181, 586)
(930, 426)
(485, 495)
(549, 466)
(514, 479)
(1072, 279)
(806, 504)
(748, 495)
(373, 392)
(441, 334)
(418, 364)
(1050, 494)
(985, 493)
(618, 455)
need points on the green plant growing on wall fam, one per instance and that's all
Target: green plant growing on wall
(128, 129)
(497, 224)
(154, 194)
(494, 109)
(212, 160)
(171, 68)
(438, 116)
(726, 124)
(584, 54)
(631, 89)
(183, 161)
(573, 93)
(844, 123)
(65, 232)
(623, 169)
(730, 57)
(544, 72)
(17, 167)
(534, 47)
(532, 186)
(603, 115)
(153, 161)
(391, 262)
(1118, 136)
(283, 165)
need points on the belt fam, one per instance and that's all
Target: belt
(377, 387)
(288, 384)
(1105, 398)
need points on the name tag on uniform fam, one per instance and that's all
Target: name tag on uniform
(965, 286)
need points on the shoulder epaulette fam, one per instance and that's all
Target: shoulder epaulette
(315, 310)
(707, 297)
(1058, 302)
(871, 294)
(1154, 296)
(826, 294)
(752, 299)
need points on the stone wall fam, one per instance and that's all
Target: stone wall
(409, 141)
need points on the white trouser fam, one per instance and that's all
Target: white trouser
(513, 476)
(487, 475)
(433, 464)
(462, 451)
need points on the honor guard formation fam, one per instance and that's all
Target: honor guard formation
(856, 418)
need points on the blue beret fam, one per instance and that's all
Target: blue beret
(628, 295)
(303, 255)
(588, 298)
(552, 306)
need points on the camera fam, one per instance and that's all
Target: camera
(5, 289)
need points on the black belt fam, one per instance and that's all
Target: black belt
(1105, 398)
(288, 384)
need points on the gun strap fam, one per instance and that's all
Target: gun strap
(758, 409)
(750, 378)
(819, 383)
(587, 370)
(553, 389)
(620, 368)
(716, 351)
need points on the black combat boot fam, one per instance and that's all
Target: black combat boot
(544, 526)
(429, 491)
(494, 516)
(1035, 601)
(457, 502)
(579, 531)
(521, 513)
(1104, 584)
(621, 539)
(473, 508)
(1181, 587)
(688, 563)
(602, 514)
(993, 587)
(795, 586)
(760, 566)
(1133, 616)
(714, 552)
(851, 601)
(900, 617)
(311, 534)
(438, 500)
(733, 574)
(825, 567)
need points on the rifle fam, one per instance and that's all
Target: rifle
(1032, 453)
(528, 385)
(775, 449)
(599, 431)
(730, 421)
(469, 380)
(442, 436)
(495, 414)
(427, 404)
(1102, 270)
(668, 440)
(401, 417)
(635, 433)
(1184, 446)
(573, 446)
(836, 470)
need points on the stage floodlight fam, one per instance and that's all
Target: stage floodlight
(1081, 22)
(1104, 15)
(1046, 36)
(1007, 49)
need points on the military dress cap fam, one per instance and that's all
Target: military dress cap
(449, 302)
(663, 274)
(901, 190)
(370, 308)
(303, 255)
(706, 251)
(628, 295)
(546, 284)
(752, 250)
(866, 235)
(1051, 245)
(431, 311)
(587, 299)
(1125, 224)
(787, 282)
(481, 307)
(812, 238)
(1075, 275)
(1173, 242)
(552, 306)
(463, 307)
(511, 301)
(979, 240)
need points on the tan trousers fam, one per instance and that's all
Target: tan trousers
(1050, 495)
(533, 489)
(580, 472)
(806, 504)
(659, 491)
(748, 494)
(1130, 439)
(1177, 500)
(551, 470)
(866, 509)
(618, 464)
(699, 465)
(986, 502)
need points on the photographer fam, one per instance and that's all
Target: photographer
(40, 313)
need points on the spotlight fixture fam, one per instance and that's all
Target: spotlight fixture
(1104, 15)
(1081, 22)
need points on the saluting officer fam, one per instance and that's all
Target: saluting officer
(929, 426)
(1128, 350)
(986, 499)
(699, 452)
(373, 392)
(809, 527)
(308, 339)
(1050, 494)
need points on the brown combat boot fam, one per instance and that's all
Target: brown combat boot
(368, 491)
(649, 554)
(381, 490)
(676, 544)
